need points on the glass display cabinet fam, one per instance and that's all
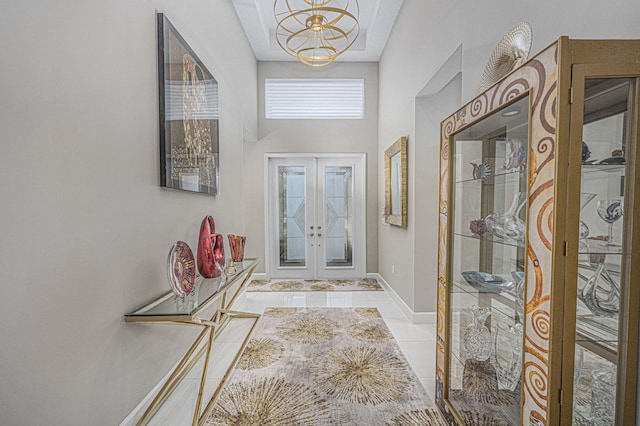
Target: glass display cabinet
(539, 243)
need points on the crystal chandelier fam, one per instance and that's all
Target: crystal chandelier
(316, 32)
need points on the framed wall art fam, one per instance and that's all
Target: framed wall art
(189, 116)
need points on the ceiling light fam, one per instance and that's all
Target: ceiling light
(316, 32)
(511, 112)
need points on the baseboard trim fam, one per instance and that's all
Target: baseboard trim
(258, 276)
(414, 317)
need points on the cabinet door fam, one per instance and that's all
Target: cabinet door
(602, 274)
(487, 267)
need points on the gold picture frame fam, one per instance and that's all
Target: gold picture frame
(395, 183)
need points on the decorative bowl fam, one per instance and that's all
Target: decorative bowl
(487, 283)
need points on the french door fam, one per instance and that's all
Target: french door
(315, 220)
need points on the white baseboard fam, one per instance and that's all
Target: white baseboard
(258, 276)
(414, 317)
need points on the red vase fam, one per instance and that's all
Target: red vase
(206, 243)
(236, 243)
(218, 252)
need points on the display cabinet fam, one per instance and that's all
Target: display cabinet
(539, 243)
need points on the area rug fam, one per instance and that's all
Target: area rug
(323, 366)
(363, 284)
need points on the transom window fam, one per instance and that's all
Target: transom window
(314, 98)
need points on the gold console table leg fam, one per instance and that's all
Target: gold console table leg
(214, 326)
(178, 373)
(229, 314)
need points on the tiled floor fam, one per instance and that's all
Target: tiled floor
(417, 342)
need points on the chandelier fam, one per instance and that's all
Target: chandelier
(316, 32)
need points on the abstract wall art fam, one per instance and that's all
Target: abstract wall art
(189, 115)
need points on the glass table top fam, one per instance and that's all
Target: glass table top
(169, 306)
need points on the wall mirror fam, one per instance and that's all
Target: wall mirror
(395, 183)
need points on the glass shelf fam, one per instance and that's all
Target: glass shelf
(592, 246)
(597, 328)
(612, 268)
(603, 168)
(598, 247)
(598, 335)
(505, 298)
(489, 238)
(509, 177)
(170, 307)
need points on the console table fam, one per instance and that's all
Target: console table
(170, 309)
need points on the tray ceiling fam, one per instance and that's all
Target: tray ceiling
(376, 21)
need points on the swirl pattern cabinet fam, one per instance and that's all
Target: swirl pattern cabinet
(539, 243)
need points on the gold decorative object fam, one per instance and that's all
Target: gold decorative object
(316, 32)
(395, 183)
(511, 52)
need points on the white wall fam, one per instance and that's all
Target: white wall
(426, 33)
(321, 136)
(84, 224)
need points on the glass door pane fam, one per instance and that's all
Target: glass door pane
(316, 217)
(292, 215)
(487, 267)
(338, 216)
(601, 255)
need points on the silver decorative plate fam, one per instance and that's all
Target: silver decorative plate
(511, 52)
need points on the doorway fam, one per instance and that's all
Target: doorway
(315, 216)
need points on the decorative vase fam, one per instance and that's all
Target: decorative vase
(508, 354)
(508, 225)
(590, 294)
(476, 338)
(181, 269)
(218, 253)
(206, 262)
(236, 242)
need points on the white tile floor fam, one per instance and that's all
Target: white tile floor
(417, 342)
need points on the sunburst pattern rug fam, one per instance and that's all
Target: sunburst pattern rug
(363, 284)
(323, 366)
